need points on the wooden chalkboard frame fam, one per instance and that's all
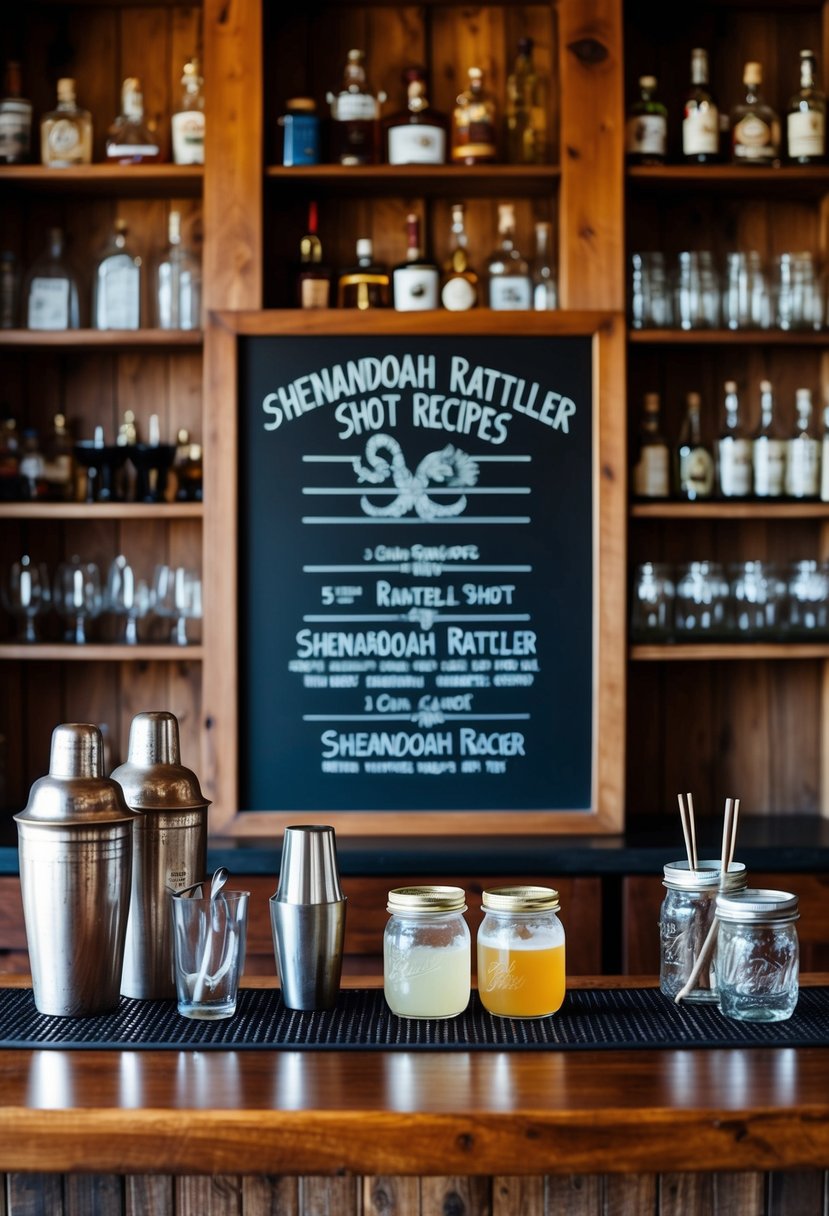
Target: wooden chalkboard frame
(220, 759)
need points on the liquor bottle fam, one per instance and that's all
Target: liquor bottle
(418, 134)
(806, 117)
(365, 285)
(803, 451)
(188, 469)
(9, 290)
(473, 124)
(545, 289)
(116, 290)
(15, 120)
(313, 277)
(66, 132)
(59, 462)
(300, 132)
(355, 116)
(32, 465)
(460, 282)
(701, 118)
(11, 488)
(129, 140)
(695, 460)
(187, 122)
(652, 471)
(177, 282)
(755, 126)
(415, 281)
(824, 457)
(734, 450)
(525, 118)
(646, 129)
(768, 449)
(50, 292)
(510, 286)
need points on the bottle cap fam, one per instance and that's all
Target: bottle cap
(753, 73)
(300, 105)
(365, 248)
(765, 386)
(694, 400)
(755, 905)
(427, 899)
(647, 82)
(731, 386)
(652, 403)
(706, 877)
(521, 899)
(66, 88)
(475, 74)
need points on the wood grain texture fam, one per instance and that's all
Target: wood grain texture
(576, 1194)
(219, 1195)
(266, 1195)
(85, 1194)
(739, 1195)
(625, 1194)
(148, 1195)
(455, 1196)
(391, 1196)
(329, 1196)
(517, 1196)
(34, 1194)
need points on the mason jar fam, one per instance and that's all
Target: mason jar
(521, 952)
(685, 917)
(427, 957)
(757, 958)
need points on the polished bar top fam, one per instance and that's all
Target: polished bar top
(399, 1112)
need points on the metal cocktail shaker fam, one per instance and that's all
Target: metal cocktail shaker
(308, 919)
(169, 849)
(75, 844)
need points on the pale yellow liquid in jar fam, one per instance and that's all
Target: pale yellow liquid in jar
(522, 980)
(427, 981)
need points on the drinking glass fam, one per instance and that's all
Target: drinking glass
(701, 599)
(78, 596)
(652, 610)
(808, 598)
(798, 302)
(177, 596)
(752, 605)
(745, 303)
(127, 597)
(650, 300)
(26, 595)
(696, 290)
(209, 952)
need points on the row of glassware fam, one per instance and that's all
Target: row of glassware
(740, 600)
(79, 596)
(698, 291)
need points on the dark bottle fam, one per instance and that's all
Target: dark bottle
(365, 285)
(11, 484)
(15, 120)
(415, 281)
(694, 459)
(187, 466)
(701, 117)
(355, 117)
(646, 129)
(473, 124)
(59, 462)
(525, 113)
(418, 134)
(313, 277)
(32, 466)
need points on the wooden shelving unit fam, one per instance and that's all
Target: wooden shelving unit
(92, 511)
(102, 339)
(491, 181)
(728, 337)
(754, 510)
(99, 652)
(113, 181)
(728, 651)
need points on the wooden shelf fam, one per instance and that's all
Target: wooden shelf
(728, 337)
(683, 652)
(122, 511)
(101, 339)
(121, 181)
(756, 509)
(98, 652)
(407, 180)
(799, 180)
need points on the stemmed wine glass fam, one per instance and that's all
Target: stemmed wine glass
(26, 595)
(128, 597)
(177, 594)
(78, 596)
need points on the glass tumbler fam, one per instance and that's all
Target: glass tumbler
(650, 304)
(808, 598)
(696, 290)
(701, 600)
(745, 301)
(685, 917)
(797, 292)
(652, 610)
(752, 605)
(757, 958)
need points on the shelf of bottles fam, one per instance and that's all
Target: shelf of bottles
(488, 180)
(728, 652)
(102, 339)
(123, 512)
(99, 652)
(119, 181)
(757, 508)
(728, 337)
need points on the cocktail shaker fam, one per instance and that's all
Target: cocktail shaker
(169, 849)
(75, 844)
(308, 919)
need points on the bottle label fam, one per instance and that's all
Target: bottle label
(48, 304)
(458, 294)
(355, 107)
(314, 293)
(15, 128)
(806, 134)
(769, 467)
(121, 152)
(701, 132)
(696, 473)
(119, 298)
(510, 291)
(735, 467)
(64, 142)
(753, 139)
(651, 475)
(188, 137)
(414, 144)
(301, 143)
(803, 467)
(482, 149)
(646, 133)
(415, 288)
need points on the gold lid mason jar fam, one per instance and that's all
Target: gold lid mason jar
(427, 963)
(521, 952)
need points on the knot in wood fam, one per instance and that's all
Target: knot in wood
(588, 51)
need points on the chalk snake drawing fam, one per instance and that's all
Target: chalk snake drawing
(449, 467)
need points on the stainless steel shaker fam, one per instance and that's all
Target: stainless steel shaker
(75, 844)
(308, 919)
(170, 848)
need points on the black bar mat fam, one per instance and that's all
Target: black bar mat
(589, 1019)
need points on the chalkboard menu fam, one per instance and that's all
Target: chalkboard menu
(416, 518)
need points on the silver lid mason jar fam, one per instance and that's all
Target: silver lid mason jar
(685, 917)
(757, 958)
(521, 952)
(427, 962)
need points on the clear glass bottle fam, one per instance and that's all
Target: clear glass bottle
(355, 116)
(542, 271)
(116, 288)
(757, 959)
(313, 277)
(474, 140)
(66, 132)
(15, 119)
(695, 460)
(768, 454)
(521, 953)
(51, 299)
(427, 955)
(510, 285)
(178, 295)
(525, 119)
(9, 290)
(701, 118)
(459, 291)
(803, 451)
(417, 135)
(365, 285)
(806, 117)
(652, 471)
(686, 915)
(824, 457)
(755, 126)
(646, 128)
(416, 280)
(187, 122)
(129, 140)
(734, 450)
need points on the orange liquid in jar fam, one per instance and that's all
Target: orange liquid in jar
(521, 981)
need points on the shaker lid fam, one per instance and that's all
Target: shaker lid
(75, 790)
(427, 899)
(757, 905)
(521, 899)
(153, 779)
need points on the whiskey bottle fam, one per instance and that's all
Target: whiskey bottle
(314, 277)
(806, 117)
(701, 118)
(116, 290)
(646, 129)
(768, 449)
(15, 120)
(188, 469)
(365, 285)
(130, 141)
(187, 121)
(415, 281)
(473, 124)
(418, 134)
(177, 282)
(66, 132)
(32, 466)
(525, 118)
(59, 462)
(695, 460)
(355, 116)
(460, 282)
(50, 292)
(755, 126)
(545, 290)
(652, 471)
(734, 450)
(510, 286)
(803, 451)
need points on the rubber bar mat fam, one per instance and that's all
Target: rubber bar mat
(589, 1019)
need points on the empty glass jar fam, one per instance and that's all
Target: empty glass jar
(685, 917)
(652, 609)
(808, 598)
(701, 600)
(757, 958)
